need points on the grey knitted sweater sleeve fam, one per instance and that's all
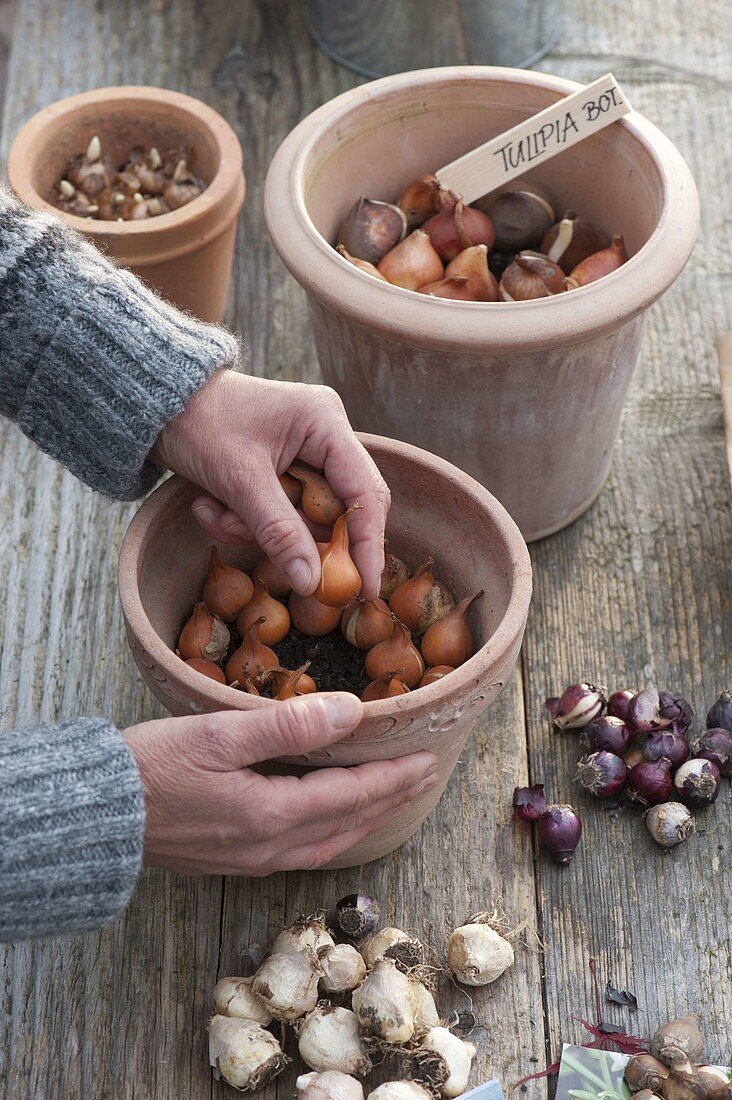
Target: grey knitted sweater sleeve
(92, 367)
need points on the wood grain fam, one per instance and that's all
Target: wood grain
(640, 586)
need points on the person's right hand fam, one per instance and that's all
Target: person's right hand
(208, 812)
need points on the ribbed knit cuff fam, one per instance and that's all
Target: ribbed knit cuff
(72, 815)
(93, 364)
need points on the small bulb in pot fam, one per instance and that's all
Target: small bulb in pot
(329, 1039)
(311, 617)
(602, 773)
(576, 706)
(395, 573)
(386, 686)
(204, 635)
(365, 623)
(472, 264)
(719, 715)
(452, 230)
(357, 915)
(598, 264)
(697, 783)
(243, 1053)
(531, 276)
(559, 831)
(371, 229)
(276, 580)
(715, 745)
(261, 605)
(435, 673)
(520, 219)
(449, 641)
(207, 668)
(226, 590)
(529, 803)
(340, 581)
(330, 1085)
(422, 600)
(669, 823)
(572, 240)
(362, 265)
(252, 658)
(420, 199)
(290, 684)
(454, 287)
(413, 263)
(396, 652)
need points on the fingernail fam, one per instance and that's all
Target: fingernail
(343, 710)
(427, 785)
(204, 513)
(299, 574)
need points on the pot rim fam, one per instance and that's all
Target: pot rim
(478, 667)
(171, 234)
(440, 323)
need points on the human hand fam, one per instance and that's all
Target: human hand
(235, 436)
(207, 812)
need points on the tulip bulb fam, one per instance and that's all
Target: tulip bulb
(313, 618)
(472, 263)
(422, 600)
(207, 668)
(420, 199)
(276, 580)
(477, 954)
(276, 617)
(449, 641)
(243, 1053)
(287, 984)
(435, 673)
(204, 635)
(520, 218)
(413, 263)
(385, 1004)
(385, 687)
(457, 1055)
(289, 685)
(329, 1039)
(372, 228)
(319, 502)
(572, 240)
(456, 288)
(599, 264)
(362, 265)
(340, 580)
(252, 658)
(234, 997)
(226, 590)
(330, 1085)
(398, 651)
(365, 623)
(530, 276)
(343, 968)
(459, 227)
(292, 488)
(395, 573)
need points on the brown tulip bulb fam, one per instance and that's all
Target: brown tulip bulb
(531, 275)
(252, 658)
(340, 581)
(454, 229)
(449, 641)
(395, 573)
(435, 673)
(319, 502)
(289, 685)
(262, 606)
(386, 686)
(643, 1071)
(398, 651)
(472, 264)
(207, 668)
(422, 600)
(413, 263)
(520, 219)
(313, 618)
(420, 199)
(226, 590)
(455, 288)
(372, 229)
(572, 240)
(276, 580)
(292, 488)
(365, 623)
(598, 264)
(362, 265)
(204, 635)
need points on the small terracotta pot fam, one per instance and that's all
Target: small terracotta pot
(525, 397)
(186, 255)
(436, 510)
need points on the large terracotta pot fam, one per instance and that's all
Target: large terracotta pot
(526, 396)
(186, 255)
(436, 510)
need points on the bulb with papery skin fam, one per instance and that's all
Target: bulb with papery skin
(397, 652)
(207, 668)
(289, 685)
(457, 228)
(599, 264)
(572, 240)
(531, 276)
(365, 623)
(340, 580)
(362, 265)
(449, 641)
(420, 199)
(252, 658)
(454, 288)
(276, 616)
(413, 263)
(313, 618)
(472, 264)
(226, 589)
(204, 635)
(319, 502)
(371, 229)
(385, 686)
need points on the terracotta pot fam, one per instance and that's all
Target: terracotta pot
(527, 396)
(186, 255)
(163, 564)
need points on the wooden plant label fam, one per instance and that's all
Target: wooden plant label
(536, 139)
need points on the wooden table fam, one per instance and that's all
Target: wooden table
(641, 586)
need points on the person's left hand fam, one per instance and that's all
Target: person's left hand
(236, 435)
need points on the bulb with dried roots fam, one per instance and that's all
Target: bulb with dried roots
(243, 1053)
(457, 1055)
(477, 954)
(329, 1038)
(234, 997)
(288, 984)
(330, 1085)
